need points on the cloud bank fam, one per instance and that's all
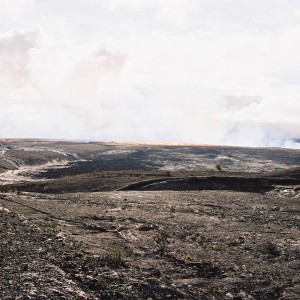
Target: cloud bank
(194, 71)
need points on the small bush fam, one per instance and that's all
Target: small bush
(117, 258)
(161, 241)
(271, 249)
(218, 167)
(50, 230)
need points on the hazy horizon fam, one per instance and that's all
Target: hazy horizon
(212, 72)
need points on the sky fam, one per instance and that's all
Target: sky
(183, 71)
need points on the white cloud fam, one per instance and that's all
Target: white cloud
(17, 14)
(185, 71)
(14, 55)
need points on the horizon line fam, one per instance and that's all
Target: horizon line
(150, 143)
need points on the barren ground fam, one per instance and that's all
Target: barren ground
(191, 232)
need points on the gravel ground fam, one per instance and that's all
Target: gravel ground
(150, 245)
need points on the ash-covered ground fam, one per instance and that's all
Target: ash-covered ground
(114, 221)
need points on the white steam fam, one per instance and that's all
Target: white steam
(199, 71)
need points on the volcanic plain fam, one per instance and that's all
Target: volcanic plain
(87, 220)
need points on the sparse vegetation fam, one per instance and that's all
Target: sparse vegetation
(218, 167)
(49, 230)
(116, 257)
(214, 245)
(161, 241)
(214, 235)
(271, 248)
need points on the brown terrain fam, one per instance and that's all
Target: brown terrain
(132, 221)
